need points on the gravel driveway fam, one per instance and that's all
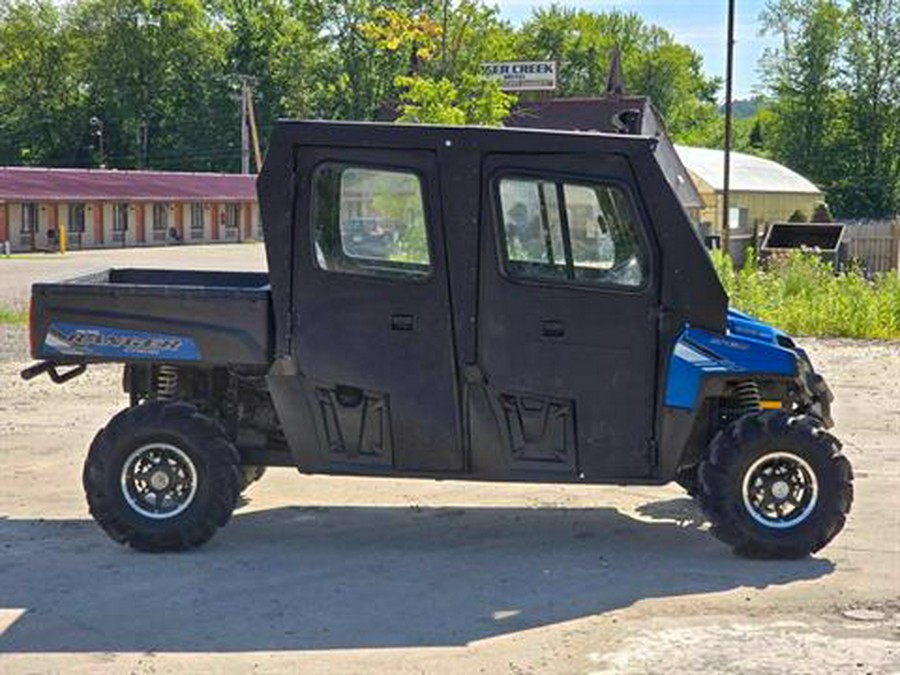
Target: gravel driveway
(347, 575)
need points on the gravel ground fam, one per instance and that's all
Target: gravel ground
(326, 575)
(350, 575)
(20, 271)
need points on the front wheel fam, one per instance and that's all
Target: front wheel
(776, 486)
(161, 477)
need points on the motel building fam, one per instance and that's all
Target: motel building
(107, 209)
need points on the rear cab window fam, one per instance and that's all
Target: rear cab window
(369, 221)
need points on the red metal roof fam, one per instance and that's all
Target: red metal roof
(69, 185)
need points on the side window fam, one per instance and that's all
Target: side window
(533, 229)
(369, 221)
(583, 232)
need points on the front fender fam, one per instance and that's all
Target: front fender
(699, 355)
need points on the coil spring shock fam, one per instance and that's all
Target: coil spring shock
(166, 382)
(746, 397)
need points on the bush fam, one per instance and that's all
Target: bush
(802, 295)
(822, 214)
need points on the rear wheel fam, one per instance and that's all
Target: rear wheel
(161, 477)
(776, 486)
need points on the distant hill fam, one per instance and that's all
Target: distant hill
(744, 109)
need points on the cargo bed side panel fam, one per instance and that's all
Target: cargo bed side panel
(93, 321)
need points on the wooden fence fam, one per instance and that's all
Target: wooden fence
(875, 243)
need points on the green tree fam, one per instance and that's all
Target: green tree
(276, 46)
(803, 76)
(153, 77)
(871, 181)
(835, 112)
(43, 118)
(654, 64)
(443, 82)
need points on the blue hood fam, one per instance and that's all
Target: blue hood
(749, 348)
(745, 325)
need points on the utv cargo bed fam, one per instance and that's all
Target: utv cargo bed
(162, 315)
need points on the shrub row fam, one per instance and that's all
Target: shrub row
(802, 294)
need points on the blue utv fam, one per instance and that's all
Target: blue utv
(538, 308)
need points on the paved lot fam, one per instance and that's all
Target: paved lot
(344, 575)
(20, 271)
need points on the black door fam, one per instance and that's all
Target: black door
(567, 333)
(372, 335)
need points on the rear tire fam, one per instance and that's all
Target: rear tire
(161, 477)
(776, 486)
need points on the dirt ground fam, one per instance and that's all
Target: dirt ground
(344, 575)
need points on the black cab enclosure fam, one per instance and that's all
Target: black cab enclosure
(476, 301)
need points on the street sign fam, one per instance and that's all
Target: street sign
(522, 75)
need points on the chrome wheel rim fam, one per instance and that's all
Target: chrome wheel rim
(159, 480)
(780, 490)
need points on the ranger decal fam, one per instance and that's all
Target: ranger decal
(80, 340)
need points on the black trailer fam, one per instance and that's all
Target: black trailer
(466, 303)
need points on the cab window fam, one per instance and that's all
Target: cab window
(369, 221)
(572, 232)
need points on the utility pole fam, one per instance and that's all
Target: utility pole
(726, 183)
(245, 136)
(254, 130)
(444, 41)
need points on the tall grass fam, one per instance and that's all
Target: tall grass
(802, 295)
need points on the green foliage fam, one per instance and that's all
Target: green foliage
(822, 214)
(654, 64)
(42, 108)
(442, 87)
(802, 295)
(798, 217)
(151, 76)
(835, 106)
(11, 315)
(162, 77)
(474, 100)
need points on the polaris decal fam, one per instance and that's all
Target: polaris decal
(80, 340)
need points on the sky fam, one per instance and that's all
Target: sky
(702, 24)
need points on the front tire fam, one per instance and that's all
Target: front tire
(776, 486)
(161, 477)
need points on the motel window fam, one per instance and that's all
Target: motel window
(29, 218)
(160, 221)
(76, 218)
(198, 231)
(120, 221)
(231, 219)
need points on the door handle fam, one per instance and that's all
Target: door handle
(553, 329)
(402, 322)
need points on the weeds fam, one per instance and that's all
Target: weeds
(802, 295)
(10, 315)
